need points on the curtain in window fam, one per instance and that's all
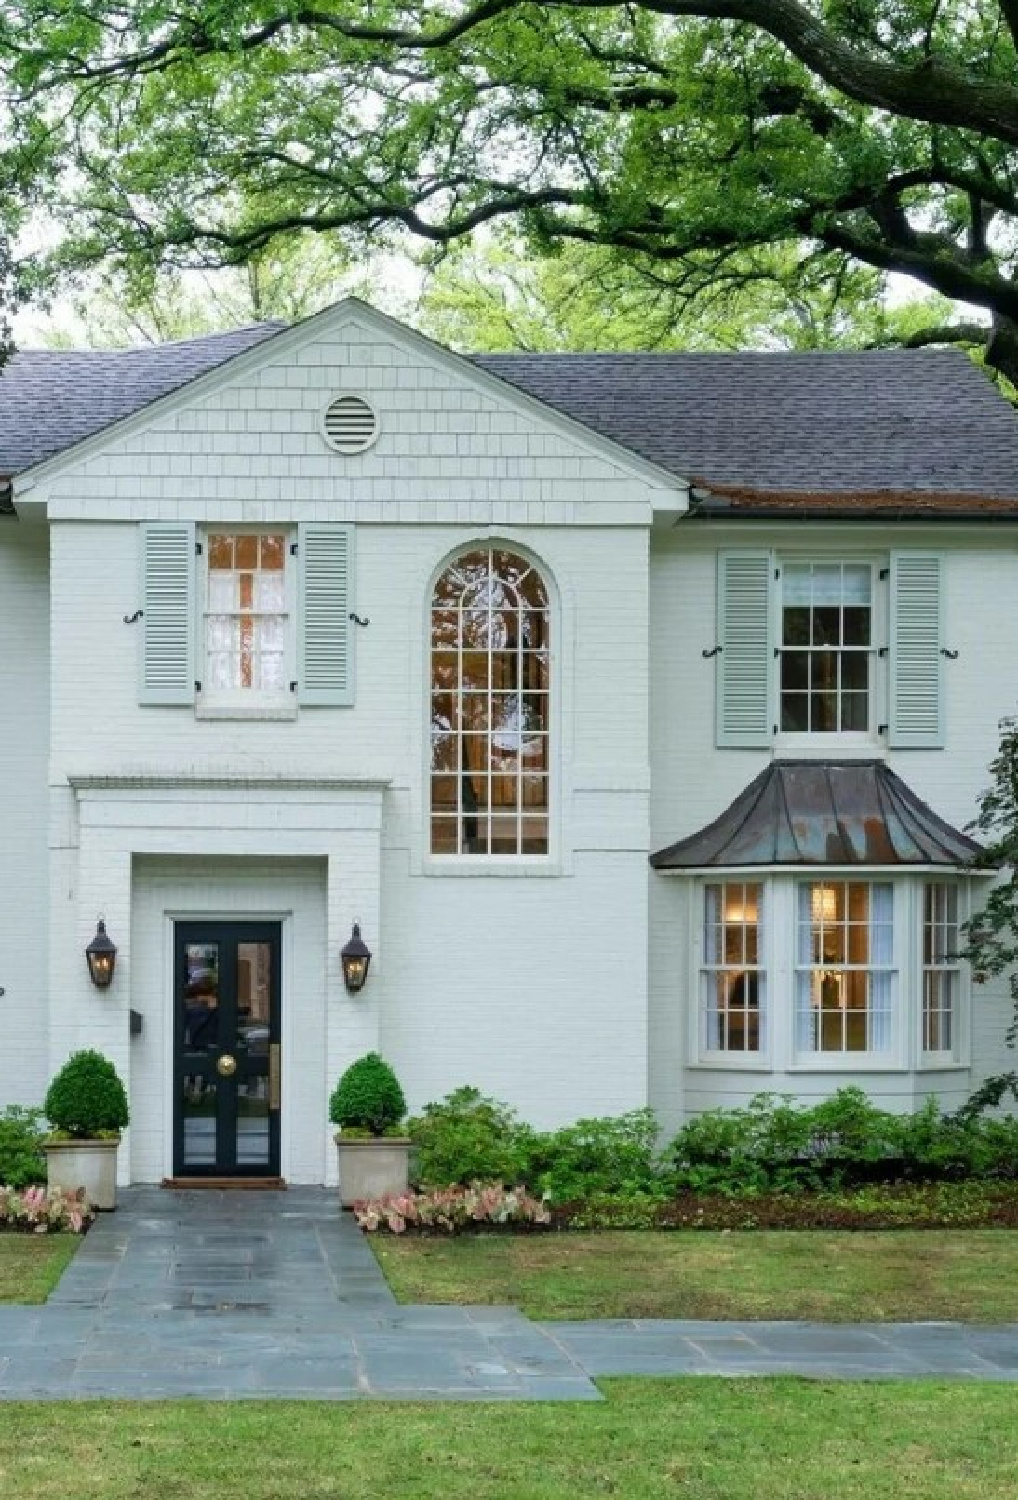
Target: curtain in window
(881, 960)
(804, 1040)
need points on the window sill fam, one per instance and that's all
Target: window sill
(831, 746)
(855, 1062)
(473, 866)
(733, 1063)
(941, 1065)
(282, 712)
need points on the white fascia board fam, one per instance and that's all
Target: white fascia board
(671, 490)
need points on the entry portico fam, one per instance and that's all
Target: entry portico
(157, 850)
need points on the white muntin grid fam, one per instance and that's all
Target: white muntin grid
(490, 697)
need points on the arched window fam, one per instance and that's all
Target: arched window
(489, 706)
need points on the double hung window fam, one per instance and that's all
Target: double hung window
(826, 648)
(733, 979)
(844, 979)
(247, 617)
(941, 973)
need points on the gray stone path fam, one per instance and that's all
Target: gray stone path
(245, 1295)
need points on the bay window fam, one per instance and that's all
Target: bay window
(831, 972)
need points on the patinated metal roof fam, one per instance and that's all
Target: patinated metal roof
(823, 812)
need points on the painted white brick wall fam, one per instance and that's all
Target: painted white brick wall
(24, 893)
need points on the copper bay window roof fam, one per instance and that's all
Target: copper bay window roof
(823, 812)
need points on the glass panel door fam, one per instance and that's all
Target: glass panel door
(226, 1049)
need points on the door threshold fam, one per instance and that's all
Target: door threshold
(251, 1184)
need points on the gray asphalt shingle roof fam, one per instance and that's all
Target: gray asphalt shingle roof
(831, 422)
(51, 399)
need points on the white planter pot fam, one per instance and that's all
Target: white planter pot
(370, 1167)
(91, 1165)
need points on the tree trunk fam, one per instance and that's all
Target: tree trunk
(1002, 348)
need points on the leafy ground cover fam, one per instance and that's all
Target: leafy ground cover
(834, 1277)
(704, 1439)
(32, 1264)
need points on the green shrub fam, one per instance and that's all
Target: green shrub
(86, 1098)
(612, 1154)
(467, 1137)
(772, 1145)
(21, 1160)
(367, 1097)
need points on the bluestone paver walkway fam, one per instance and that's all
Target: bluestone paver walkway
(243, 1295)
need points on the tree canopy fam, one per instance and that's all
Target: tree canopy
(687, 133)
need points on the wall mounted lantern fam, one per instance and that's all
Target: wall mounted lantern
(101, 956)
(356, 956)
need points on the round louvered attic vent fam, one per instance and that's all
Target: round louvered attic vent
(350, 425)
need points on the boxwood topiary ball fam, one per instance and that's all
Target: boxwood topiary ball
(367, 1097)
(87, 1097)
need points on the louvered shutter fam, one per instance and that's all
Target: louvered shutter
(325, 658)
(916, 718)
(167, 665)
(745, 666)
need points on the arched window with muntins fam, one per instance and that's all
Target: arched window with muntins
(490, 672)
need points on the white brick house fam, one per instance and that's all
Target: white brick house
(314, 626)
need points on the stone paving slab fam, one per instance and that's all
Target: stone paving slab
(235, 1296)
(241, 1296)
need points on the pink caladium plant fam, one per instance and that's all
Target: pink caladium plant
(451, 1209)
(35, 1211)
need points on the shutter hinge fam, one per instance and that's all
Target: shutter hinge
(882, 650)
(293, 686)
(705, 653)
(885, 573)
(197, 687)
(777, 572)
(774, 729)
(198, 549)
(881, 729)
(951, 655)
(293, 548)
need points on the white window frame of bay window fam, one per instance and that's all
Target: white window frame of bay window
(865, 743)
(959, 1055)
(778, 948)
(246, 703)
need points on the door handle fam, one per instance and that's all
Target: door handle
(274, 1075)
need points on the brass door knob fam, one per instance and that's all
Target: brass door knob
(226, 1065)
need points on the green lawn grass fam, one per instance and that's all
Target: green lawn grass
(700, 1439)
(32, 1264)
(903, 1275)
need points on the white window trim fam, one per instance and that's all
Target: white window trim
(245, 704)
(905, 1054)
(869, 743)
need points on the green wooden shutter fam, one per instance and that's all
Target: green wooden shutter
(916, 716)
(325, 675)
(745, 663)
(167, 664)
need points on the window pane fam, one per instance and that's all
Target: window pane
(826, 627)
(796, 626)
(794, 671)
(856, 626)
